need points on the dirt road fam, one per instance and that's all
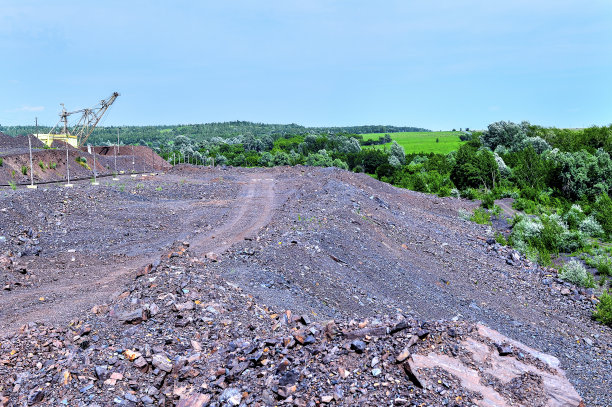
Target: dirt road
(61, 292)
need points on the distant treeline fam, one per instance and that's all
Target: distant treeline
(156, 135)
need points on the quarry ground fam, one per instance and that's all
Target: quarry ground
(321, 242)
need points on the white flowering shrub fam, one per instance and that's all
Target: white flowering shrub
(590, 227)
(504, 170)
(575, 273)
(572, 240)
(574, 216)
(526, 229)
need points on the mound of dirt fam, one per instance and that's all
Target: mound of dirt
(181, 336)
(241, 314)
(49, 165)
(20, 142)
(144, 157)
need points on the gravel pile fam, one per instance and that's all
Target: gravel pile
(323, 244)
(181, 335)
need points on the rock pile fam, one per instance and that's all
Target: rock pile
(181, 335)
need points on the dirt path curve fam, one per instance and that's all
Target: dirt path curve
(251, 212)
(506, 206)
(68, 296)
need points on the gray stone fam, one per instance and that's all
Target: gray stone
(162, 362)
(232, 396)
(358, 346)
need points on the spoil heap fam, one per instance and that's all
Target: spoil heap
(182, 335)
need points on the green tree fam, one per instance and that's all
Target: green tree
(531, 169)
(474, 168)
(398, 152)
(508, 135)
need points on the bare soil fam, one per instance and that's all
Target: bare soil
(50, 164)
(322, 242)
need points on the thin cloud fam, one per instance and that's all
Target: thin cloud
(29, 109)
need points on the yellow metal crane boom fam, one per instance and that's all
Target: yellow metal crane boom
(89, 119)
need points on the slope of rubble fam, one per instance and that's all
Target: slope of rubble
(49, 164)
(181, 335)
(286, 286)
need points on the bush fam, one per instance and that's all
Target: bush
(603, 265)
(603, 313)
(574, 216)
(83, 162)
(602, 209)
(488, 200)
(590, 227)
(575, 273)
(525, 205)
(501, 239)
(481, 216)
(444, 191)
(470, 194)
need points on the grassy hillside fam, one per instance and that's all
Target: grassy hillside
(422, 142)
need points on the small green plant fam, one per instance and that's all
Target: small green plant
(24, 170)
(604, 265)
(497, 210)
(41, 164)
(488, 200)
(53, 165)
(463, 214)
(501, 239)
(602, 281)
(158, 189)
(122, 188)
(139, 186)
(544, 258)
(83, 162)
(13, 173)
(1, 162)
(481, 216)
(603, 313)
(575, 273)
(13, 185)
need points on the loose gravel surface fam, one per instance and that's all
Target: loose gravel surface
(323, 243)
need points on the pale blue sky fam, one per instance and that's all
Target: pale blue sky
(437, 64)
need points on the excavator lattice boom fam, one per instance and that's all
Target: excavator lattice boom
(85, 125)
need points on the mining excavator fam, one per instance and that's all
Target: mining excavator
(87, 122)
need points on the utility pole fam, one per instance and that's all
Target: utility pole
(133, 162)
(95, 172)
(116, 145)
(68, 185)
(32, 186)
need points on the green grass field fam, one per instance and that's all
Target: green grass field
(422, 141)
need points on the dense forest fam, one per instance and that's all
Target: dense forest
(156, 135)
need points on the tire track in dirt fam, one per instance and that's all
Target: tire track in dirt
(68, 297)
(254, 211)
